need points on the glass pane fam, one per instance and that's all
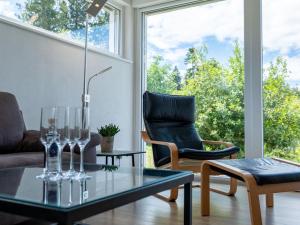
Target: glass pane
(20, 184)
(67, 18)
(281, 51)
(199, 51)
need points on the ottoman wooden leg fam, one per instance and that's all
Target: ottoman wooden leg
(270, 200)
(205, 195)
(233, 187)
(173, 195)
(254, 206)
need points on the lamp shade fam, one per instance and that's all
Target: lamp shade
(95, 7)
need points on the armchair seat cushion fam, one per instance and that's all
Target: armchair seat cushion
(189, 153)
(206, 155)
(266, 170)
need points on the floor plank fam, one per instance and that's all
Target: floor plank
(224, 211)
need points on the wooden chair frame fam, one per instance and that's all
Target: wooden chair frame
(189, 164)
(253, 189)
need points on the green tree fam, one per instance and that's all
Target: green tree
(160, 76)
(62, 16)
(176, 78)
(194, 58)
(77, 15)
(281, 109)
(219, 94)
(219, 97)
(42, 13)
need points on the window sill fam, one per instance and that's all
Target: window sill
(49, 34)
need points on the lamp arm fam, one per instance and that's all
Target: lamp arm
(95, 75)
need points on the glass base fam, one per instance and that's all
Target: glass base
(44, 176)
(70, 174)
(81, 176)
(55, 176)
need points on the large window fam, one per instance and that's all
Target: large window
(67, 18)
(281, 42)
(198, 50)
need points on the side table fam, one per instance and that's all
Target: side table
(118, 153)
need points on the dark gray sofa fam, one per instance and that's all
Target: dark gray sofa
(20, 147)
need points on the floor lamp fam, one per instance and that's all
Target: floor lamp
(92, 10)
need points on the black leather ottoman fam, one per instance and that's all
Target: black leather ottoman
(261, 176)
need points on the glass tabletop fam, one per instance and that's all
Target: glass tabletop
(119, 153)
(20, 185)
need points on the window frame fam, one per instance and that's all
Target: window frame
(118, 40)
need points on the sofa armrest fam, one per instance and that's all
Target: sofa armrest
(31, 142)
(95, 140)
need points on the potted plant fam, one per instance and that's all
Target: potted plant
(107, 134)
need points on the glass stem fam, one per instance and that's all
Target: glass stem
(71, 158)
(81, 159)
(60, 148)
(46, 158)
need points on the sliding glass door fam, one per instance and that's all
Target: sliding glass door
(281, 42)
(198, 50)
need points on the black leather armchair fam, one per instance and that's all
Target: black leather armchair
(170, 129)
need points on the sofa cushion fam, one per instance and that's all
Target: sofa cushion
(12, 124)
(21, 159)
(30, 159)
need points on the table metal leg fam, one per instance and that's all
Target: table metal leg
(113, 160)
(188, 204)
(133, 163)
(106, 160)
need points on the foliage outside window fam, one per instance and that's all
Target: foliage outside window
(67, 18)
(212, 69)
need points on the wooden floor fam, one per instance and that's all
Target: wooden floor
(224, 211)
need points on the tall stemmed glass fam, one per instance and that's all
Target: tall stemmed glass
(62, 129)
(47, 134)
(72, 137)
(83, 117)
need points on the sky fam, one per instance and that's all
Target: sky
(218, 25)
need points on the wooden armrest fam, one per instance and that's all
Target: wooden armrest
(172, 147)
(286, 161)
(227, 144)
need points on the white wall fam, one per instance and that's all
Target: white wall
(41, 70)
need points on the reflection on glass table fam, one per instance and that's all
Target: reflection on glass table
(69, 201)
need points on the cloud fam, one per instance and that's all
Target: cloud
(224, 20)
(7, 9)
(175, 55)
(281, 25)
(192, 25)
(294, 67)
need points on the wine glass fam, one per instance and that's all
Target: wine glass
(83, 119)
(61, 139)
(72, 136)
(47, 134)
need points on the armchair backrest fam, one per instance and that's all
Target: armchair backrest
(170, 118)
(12, 125)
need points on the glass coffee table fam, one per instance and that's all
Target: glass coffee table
(118, 154)
(66, 202)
